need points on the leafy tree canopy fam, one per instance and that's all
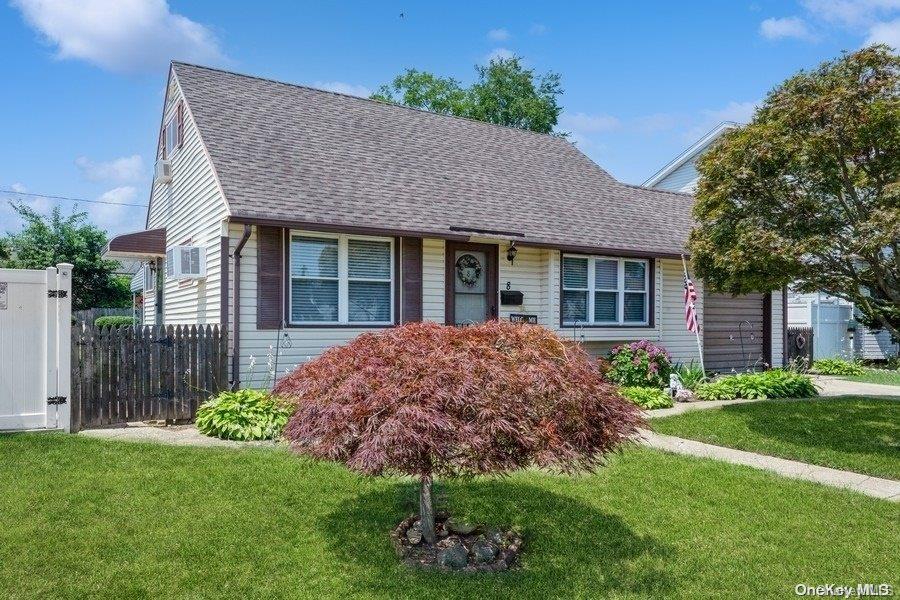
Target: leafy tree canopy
(809, 191)
(47, 241)
(505, 93)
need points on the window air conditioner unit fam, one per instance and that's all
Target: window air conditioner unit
(163, 172)
(185, 262)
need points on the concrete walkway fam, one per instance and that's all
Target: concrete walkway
(683, 407)
(834, 386)
(877, 487)
(176, 435)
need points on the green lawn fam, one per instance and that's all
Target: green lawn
(883, 376)
(853, 433)
(85, 517)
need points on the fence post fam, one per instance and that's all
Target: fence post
(63, 344)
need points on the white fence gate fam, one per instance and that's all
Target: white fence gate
(35, 324)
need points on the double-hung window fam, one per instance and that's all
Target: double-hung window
(341, 280)
(605, 291)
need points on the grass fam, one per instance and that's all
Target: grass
(85, 517)
(852, 433)
(882, 376)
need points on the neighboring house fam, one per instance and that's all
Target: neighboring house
(309, 217)
(833, 320)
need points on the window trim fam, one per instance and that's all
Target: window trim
(343, 279)
(649, 289)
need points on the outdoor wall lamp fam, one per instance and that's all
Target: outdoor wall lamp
(512, 252)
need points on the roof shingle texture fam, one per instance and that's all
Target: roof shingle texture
(293, 153)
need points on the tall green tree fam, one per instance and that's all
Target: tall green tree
(46, 241)
(809, 191)
(505, 93)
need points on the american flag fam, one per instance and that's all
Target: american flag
(690, 313)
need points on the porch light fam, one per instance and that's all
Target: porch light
(511, 253)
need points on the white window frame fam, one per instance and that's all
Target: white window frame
(149, 276)
(343, 279)
(620, 291)
(171, 125)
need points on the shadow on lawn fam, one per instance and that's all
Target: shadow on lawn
(571, 548)
(849, 425)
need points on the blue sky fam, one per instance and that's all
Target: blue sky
(83, 79)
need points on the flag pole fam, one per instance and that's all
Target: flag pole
(697, 333)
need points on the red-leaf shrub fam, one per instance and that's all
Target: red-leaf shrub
(429, 400)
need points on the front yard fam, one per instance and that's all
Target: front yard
(857, 433)
(110, 519)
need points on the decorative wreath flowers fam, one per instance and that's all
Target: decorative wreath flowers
(468, 269)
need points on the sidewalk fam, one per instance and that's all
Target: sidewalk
(834, 386)
(877, 487)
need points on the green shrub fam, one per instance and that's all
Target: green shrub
(777, 383)
(114, 321)
(647, 397)
(691, 375)
(639, 364)
(836, 366)
(243, 415)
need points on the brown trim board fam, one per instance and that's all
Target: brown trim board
(767, 329)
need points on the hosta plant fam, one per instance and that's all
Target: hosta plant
(837, 366)
(640, 364)
(776, 383)
(243, 415)
(428, 401)
(647, 397)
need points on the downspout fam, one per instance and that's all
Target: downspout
(236, 334)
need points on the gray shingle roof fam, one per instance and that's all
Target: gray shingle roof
(287, 152)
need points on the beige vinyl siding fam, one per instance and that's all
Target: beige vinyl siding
(777, 329)
(601, 334)
(681, 343)
(528, 274)
(192, 209)
(433, 273)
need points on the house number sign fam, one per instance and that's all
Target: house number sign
(4, 288)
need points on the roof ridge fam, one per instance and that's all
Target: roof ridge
(372, 100)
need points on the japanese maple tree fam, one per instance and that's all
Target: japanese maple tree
(434, 401)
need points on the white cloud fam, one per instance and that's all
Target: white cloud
(498, 35)
(655, 123)
(341, 87)
(538, 29)
(120, 35)
(851, 13)
(786, 27)
(114, 217)
(498, 54)
(583, 123)
(125, 169)
(18, 187)
(885, 33)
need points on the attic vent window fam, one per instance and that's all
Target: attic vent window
(173, 134)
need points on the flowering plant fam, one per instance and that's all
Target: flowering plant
(640, 363)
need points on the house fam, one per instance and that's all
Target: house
(302, 218)
(836, 332)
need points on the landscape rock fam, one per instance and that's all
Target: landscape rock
(484, 551)
(460, 527)
(454, 557)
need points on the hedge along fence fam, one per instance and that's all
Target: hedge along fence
(89, 315)
(149, 373)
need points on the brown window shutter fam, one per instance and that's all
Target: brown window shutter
(180, 117)
(269, 277)
(411, 268)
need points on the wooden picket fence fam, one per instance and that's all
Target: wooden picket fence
(149, 373)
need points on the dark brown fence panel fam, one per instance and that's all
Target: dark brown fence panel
(151, 373)
(800, 346)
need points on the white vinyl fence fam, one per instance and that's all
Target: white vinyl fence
(35, 324)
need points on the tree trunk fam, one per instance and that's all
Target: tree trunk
(426, 510)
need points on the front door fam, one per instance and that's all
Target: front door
(471, 283)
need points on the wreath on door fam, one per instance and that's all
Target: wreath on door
(468, 269)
